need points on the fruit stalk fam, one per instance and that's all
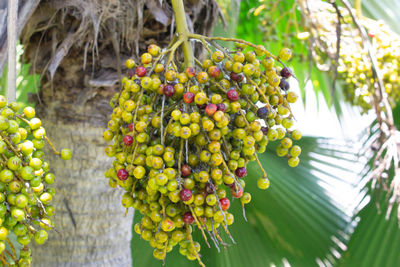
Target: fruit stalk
(183, 31)
(357, 7)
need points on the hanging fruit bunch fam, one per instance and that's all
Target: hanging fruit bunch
(356, 72)
(183, 134)
(25, 179)
(354, 67)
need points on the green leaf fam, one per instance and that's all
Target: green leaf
(375, 241)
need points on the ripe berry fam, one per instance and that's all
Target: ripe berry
(285, 73)
(264, 129)
(188, 97)
(225, 203)
(232, 95)
(241, 172)
(221, 106)
(130, 127)
(141, 71)
(185, 194)
(128, 140)
(237, 193)
(186, 170)
(169, 90)
(188, 218)
(214, 71)
(284, 85)
(262, 112)
(211, 109)
(190, 72)
(122, 174)
(236, 77)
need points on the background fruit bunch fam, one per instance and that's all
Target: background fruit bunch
(356, 71)
(182, 138)
(25, 179)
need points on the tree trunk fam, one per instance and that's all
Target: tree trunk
(80, 47)
(89, 216)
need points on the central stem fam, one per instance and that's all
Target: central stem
(183, 31)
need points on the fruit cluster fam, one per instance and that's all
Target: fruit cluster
(356, 72)
(25, 195)
(182, 139)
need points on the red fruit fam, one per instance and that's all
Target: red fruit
(141, 71)
(211, 109)
(128, 140)
(185, 194)
(130, 126)
(190, 72)
(371, 34)
(188, 218)
(188, 97)
(186, 170)
(232, 95)
(214, 71)
(241, 172)
(237, 193)
(221, 106)
(169, 90)
(285, 73)
(225, 203)
(122, 174)
(236, 77)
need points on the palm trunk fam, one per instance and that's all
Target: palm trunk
(89, 217)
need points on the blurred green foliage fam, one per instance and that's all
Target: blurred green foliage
(26, 83)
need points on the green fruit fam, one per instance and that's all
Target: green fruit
(14, 163)
(41, 237)
(6, 176)
(18, 214)
(66, 154)
(20, 230)
(24, 240)
(27, 173)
